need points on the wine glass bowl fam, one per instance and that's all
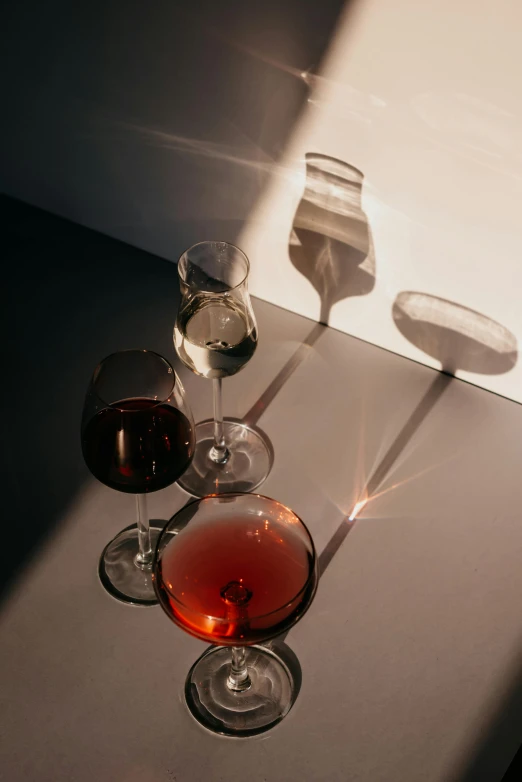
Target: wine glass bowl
(216, 332)
(215, 335)
(236, 570)
(137, 437)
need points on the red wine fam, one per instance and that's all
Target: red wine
(140, 446)
(236, 581)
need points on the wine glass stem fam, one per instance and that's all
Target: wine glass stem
(219, 453)
(143, 558)
(238, 678)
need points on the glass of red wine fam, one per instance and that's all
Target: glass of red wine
(137, 437)
(215, 335)
(236, 570)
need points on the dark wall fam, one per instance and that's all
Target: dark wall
(154, 122)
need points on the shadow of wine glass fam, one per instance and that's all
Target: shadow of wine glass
(274, 387)
(331, 241)
(461, 338)
(331, 245)
(457, 337)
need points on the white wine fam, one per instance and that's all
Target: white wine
(213, 336)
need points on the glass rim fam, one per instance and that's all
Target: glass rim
(116, 406)
(217, 241)
(312, 575)
(311, 157)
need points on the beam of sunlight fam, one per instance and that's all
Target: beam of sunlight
(161, 139)
(351, 103)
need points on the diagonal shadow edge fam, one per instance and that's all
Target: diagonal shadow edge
(431, 397)
(412, 425)
(258, 408)
(253, 415)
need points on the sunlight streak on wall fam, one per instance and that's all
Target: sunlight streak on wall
(429, 108)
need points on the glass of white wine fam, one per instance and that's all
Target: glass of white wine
(215, 334)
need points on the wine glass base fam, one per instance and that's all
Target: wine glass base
(240, 714)
(248, 465)
(118, 572)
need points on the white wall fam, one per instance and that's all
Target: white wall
(164, 123)
(426, 99)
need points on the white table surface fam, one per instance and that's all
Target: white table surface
(411, 652)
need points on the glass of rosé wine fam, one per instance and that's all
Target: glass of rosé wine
(236, 570)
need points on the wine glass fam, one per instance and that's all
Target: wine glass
(137, 437)
(215, 335)
(236, 570)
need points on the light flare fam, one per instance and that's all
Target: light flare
(360, 504)
(161, 139)
(357, 508)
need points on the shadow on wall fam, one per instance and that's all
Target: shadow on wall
(331, 241)
(456, 336)
(331, 245)
(159, 123)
